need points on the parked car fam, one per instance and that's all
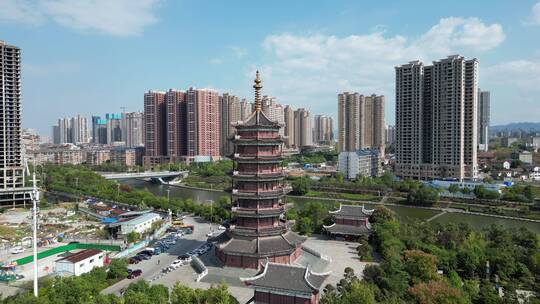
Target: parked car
(17, 250)
(176, 263)
(134, 274)
(144, 256)
(221, 227)
(134, 260)
(185, 257)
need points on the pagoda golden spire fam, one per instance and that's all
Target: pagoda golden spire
(258, 86)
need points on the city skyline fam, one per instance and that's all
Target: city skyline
(362, 53)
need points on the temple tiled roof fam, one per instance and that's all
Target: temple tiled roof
(352, 211)
(347, 229)
(257, 246)
(287, 278)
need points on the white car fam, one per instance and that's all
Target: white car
(221, 227)
(176, 263)
(16, 250)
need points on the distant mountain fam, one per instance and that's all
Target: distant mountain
(524, 126)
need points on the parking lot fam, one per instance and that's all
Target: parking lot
(152, 269)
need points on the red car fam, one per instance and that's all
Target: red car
(134, 274)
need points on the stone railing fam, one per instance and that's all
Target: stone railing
(316, 253)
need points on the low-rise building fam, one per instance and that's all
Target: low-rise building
(365, 162)
(129, 157)
(526, 157)
(97, 157)
(81, 262)
(140, 224)
(508, 141)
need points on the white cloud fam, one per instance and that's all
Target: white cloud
(515, 89)
(24, 11)
(459, 33)
(311, 69)
(117, 18)
(536, 13)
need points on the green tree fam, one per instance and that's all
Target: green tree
(117, 269)
(182, 294)
(133, 237)
(301, 186)
(436, 292)
(382, 214)
(453, 188)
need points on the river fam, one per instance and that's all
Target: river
(404, 213)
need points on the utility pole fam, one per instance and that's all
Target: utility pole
(169, 195)
(35, 201)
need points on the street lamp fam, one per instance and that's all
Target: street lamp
(35, 200)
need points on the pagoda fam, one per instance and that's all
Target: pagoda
(258, 235)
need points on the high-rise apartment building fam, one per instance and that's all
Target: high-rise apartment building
(302, 128)
(360, 122)
(483, 119)
(203, 123)
(133, 129)
(65, 130)
(230, 116)
(288, 115)
(114, 129)
(155, 124)
(436, 119)
(12, 188)
(79, 130)
(274, 111)
(246, 108)
(323, 129)
(176, 123)
(99, 130)
(390, 135)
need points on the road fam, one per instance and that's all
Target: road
(151, 268)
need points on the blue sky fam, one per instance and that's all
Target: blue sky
(95, 56)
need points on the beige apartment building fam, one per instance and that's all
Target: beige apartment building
(360, 122)
(436, 119)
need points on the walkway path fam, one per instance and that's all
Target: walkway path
(435, 216)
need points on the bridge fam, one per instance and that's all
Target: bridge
(153, 175)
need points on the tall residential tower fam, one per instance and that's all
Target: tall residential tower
(12, 188)
(436, 119)
(483, 119)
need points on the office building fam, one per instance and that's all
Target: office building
(364, 162)
(360, 122)
(65, 130)
(203, 123)
(288, 116)
(303, 133)
(230, 116)
(323, 132)
(55, 130)
(436, 119)
(12, 179)
(133, 129)
(483, 120)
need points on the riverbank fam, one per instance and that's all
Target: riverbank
(404, 212)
